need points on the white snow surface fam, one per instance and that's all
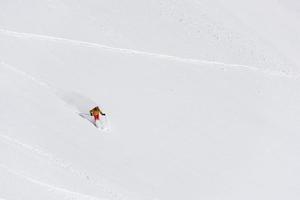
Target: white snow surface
(202, 99)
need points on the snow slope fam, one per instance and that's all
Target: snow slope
(202, 98)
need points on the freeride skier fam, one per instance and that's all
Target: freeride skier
(96, 112)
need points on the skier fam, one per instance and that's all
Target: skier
(95, 112)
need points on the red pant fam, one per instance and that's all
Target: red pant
(97, 117)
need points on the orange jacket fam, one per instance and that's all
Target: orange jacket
(96, 111)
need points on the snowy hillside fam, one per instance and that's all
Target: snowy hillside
(202, 99)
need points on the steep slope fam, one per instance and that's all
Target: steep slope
(180, 128)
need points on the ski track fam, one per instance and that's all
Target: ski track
(36, 81)
(28, 76)
(62, 164)
(68, 194)
(23, 35)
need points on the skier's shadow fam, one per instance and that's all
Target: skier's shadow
(77, 101)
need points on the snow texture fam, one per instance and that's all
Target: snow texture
(202, 99)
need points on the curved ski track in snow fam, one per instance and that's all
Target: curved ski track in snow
(28, 76)
(144, 53)
(52, 188)
(62, 164)
(41, 153)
